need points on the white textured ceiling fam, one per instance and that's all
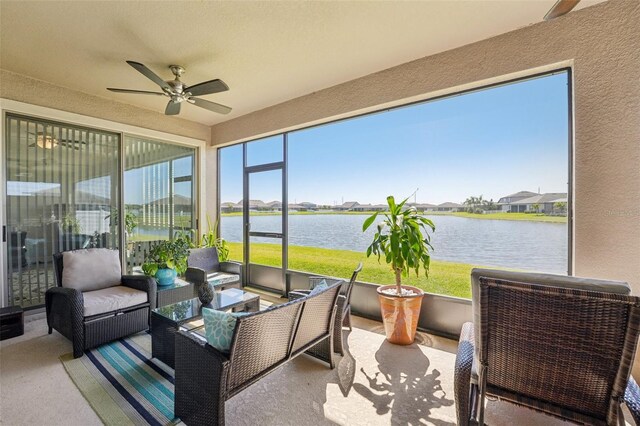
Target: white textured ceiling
(267, 52)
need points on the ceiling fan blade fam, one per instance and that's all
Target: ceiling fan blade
(136, 92)
(69, 145)
(207, 87)
(211, 106)
(561, 7)
(142, 69)
(173, 108)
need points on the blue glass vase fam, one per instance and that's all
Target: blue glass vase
(166, 276)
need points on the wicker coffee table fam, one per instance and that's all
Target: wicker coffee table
(187, 315)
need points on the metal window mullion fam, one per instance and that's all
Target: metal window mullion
(31, 201)
(122, 243)
(26, 161)
(285, 214)
(245, 214)
(170, 200)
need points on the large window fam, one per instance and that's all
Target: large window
(489, 167)
(230, 163)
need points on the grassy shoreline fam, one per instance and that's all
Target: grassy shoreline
(530, 217)
(447, 278)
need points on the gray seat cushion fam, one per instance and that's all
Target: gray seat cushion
(112, 299)
(219, 278)
(91, 269)
(551, 280)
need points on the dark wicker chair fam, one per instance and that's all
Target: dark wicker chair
(65, 312)
(343, 314)
(556, 344)
(204, 265)
(205, 377)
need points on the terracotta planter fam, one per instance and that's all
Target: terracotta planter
(400, 314)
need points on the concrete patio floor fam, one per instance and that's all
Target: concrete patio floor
(375, 383)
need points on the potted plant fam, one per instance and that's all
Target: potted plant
(167, 259)
(211, 239)
(403, 239)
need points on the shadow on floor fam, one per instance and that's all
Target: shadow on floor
(402, 384)
(346, 367)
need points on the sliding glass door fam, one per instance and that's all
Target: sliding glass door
(63, 186)
(158, 194)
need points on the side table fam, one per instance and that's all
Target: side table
(11, 322)
(179, 291)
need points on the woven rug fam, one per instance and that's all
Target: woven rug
(375, 383)
(123, 384)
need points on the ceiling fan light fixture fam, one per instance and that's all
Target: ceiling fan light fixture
(46, 141)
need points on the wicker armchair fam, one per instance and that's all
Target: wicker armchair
(263, 341)
(343, 314)
(556, 344)
(68, 314)
(204, 266)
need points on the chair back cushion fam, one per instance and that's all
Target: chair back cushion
(204, 258)
(559, 344)
(91, 269)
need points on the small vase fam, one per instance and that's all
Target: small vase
(166, 276)
(205, 293)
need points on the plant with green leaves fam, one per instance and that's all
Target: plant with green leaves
(561, 206)
(403, 238)
(168, 254)
(130, 220)
(211, 239)
(71, 224)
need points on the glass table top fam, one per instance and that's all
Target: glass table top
(191, 309)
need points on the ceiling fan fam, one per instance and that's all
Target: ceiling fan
(47, 141)
(178, 92)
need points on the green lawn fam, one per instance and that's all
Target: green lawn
(446, 278)
(532, 217)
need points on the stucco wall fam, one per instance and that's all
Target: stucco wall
(36, 92)
(603, 43)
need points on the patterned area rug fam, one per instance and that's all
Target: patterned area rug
(123, 384)
(375, 383)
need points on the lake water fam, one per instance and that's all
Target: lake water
(537, 246)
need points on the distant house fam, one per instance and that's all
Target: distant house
(369, 207)
(505, 203)
(229, 207)
(449, 207)
(539, 203)
(297, 208)
(423, 207)
(274, 205)
(258, 205)
(346, 206)
(309, 206)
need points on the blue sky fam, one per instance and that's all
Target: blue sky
(491, 142)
